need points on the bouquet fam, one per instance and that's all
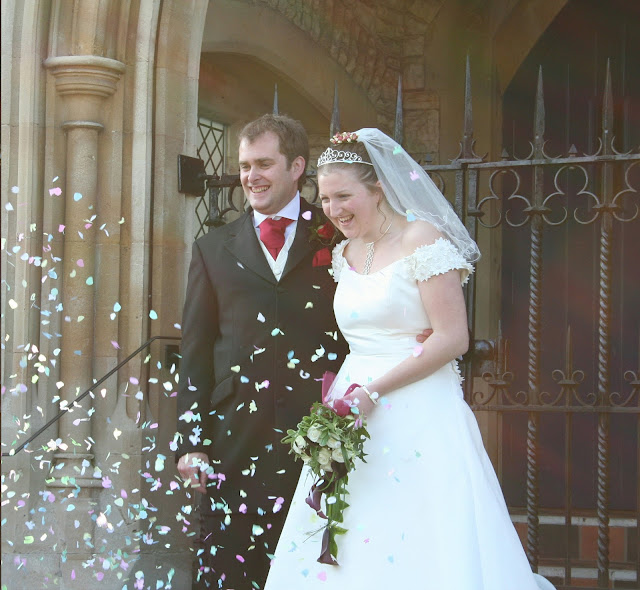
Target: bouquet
(329, 440)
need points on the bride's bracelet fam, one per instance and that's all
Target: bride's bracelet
(372, 396)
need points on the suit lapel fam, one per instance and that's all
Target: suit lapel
(301, 245)
(245, 247)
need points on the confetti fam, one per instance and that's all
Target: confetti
(261, 318)
(306, 215)
(77, 197)
(153, 315)
(410, 215)
(417, 350)
(15, 190)
(413, 175)
(55, 191)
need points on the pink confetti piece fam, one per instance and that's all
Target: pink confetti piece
(80, 263)
(306, 215)
(413, 175)
(242, 508)
(417, 350)
(240, 558)
(134, 380)
(115, 345)
(55, 191)
(322, 576)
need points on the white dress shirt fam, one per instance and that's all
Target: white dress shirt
(291, 211)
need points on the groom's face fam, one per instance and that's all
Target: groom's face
(269, 183)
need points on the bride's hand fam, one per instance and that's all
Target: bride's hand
(359, 398)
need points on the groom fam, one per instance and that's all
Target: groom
(258, 333)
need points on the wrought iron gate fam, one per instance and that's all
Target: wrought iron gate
(535, 194)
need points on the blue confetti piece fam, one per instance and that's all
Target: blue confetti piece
(410, 215)
(244, 379)
(332, 356)
(77, 197)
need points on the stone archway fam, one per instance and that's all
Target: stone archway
(519, 32)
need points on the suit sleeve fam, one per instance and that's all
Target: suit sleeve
(197, 373)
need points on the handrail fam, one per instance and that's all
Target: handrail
(87, 392)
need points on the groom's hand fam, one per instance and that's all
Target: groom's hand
(193, 468)
(424, 335)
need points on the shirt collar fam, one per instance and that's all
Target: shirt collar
(291, 211)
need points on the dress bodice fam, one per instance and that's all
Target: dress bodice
(381, 313)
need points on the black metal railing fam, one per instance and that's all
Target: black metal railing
(85, 393)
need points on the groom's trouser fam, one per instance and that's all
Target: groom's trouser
(234, 556)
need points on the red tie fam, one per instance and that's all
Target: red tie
(272, 234)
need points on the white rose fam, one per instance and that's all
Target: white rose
(337, 455)
(299, 444)
(332, 443)
(314, 433)
(324, 457)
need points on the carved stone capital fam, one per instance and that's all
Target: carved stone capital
(85, 74)
(84, 82)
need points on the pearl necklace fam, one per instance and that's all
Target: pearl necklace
(370, 249)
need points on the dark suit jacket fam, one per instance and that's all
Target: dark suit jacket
(248, 350)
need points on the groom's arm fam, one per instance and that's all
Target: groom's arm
(197, 374)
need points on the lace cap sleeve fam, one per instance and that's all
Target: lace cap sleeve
(435, 259)
(337, 259)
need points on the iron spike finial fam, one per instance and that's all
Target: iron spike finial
(468, 113)
(398, 131)
(607, 113)
(538, 118)
(335, 114)
(275, 100)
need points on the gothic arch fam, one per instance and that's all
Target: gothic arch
(519, 32)
(310, 70)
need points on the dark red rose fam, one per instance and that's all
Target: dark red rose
(326, 231)
(322, 257)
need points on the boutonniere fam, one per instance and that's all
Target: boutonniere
(322, 230)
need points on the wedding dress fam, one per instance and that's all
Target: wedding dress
(426, 510)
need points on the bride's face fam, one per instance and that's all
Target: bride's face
(350, 205)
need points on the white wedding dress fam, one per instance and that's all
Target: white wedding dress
(426, 510)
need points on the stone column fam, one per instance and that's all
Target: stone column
(83, 84)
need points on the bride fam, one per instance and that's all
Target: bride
(426, 510)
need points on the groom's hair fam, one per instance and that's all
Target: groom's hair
(292, 138)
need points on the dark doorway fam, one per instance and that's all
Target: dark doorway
(573, 55)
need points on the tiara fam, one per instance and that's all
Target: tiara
(331, 156)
